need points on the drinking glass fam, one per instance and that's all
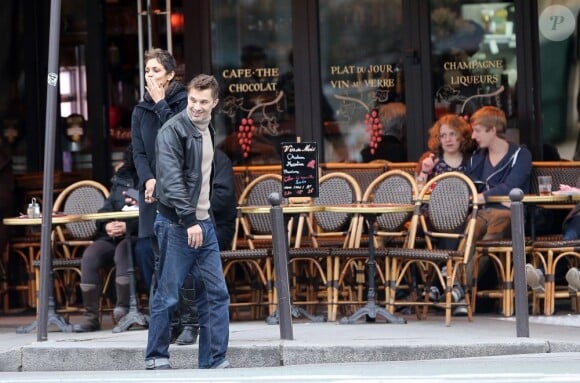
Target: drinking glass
(545, 185)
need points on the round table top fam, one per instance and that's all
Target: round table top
(533, 198)
(57, 219)
(294, 209)
(111, 215)
(377, 208)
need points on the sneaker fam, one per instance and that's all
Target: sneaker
(460, 311)
(434, 294)
(573, 279)
(457, 293)
(224, 364)
(157, 364)
(535, 278)
(119, 312)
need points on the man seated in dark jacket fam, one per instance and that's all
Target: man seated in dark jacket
(109, 245)
(223, 200)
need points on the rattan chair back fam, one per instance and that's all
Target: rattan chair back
(336, 188)
(82, 197)
(396, 187)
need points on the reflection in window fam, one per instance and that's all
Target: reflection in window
(560, 77)
(362, 73)
(473, 56)
(252, 61)
(73, 90)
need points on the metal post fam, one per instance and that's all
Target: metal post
(141, 49)
(280, 250)
(48, 181)
(519, 259)
(168, 26)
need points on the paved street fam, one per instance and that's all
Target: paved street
(557, 367)
(256, 346)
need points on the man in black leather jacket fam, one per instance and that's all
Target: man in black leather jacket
(223, 210)
(186, 232)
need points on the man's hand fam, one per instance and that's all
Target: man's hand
(194, 236)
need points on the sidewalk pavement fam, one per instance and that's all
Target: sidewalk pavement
(257, 344)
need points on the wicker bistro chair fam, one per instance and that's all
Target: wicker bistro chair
(562, 172)
(257, 228)
(548, 253)
(394, 186)
(408, 167)
(363, 173)
(249, 280)
(26, 250)
(240, 180)
(331, 228)
(82, 197)
(500, 254)
(451, 213)
(327, 230)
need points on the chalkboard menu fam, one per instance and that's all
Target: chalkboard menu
(299, 169)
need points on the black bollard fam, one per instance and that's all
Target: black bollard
(280, 253)
(519, 260)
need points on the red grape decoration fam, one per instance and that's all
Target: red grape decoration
(245, 134)
(374, 129)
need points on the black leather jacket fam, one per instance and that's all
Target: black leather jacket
(179, 155)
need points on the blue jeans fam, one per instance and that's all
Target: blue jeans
(144, 257)
(212, 295)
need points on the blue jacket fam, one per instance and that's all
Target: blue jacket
(513, 171)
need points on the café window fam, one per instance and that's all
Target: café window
(363, 103)
(473, 55)
(72, 91)
(559, 50)
(252, 60)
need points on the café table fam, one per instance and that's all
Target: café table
(370, 211)
(554, 201)
(53, 317)
(288, 211)
(134, 316)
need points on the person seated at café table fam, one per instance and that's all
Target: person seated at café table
(497, 167)
(450, 147)
(109, 246)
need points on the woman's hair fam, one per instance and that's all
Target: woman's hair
(459, 125)
(489, 117)
(164, 57)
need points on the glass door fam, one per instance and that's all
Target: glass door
(473, 57)
(252, 59)
(361, 68)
